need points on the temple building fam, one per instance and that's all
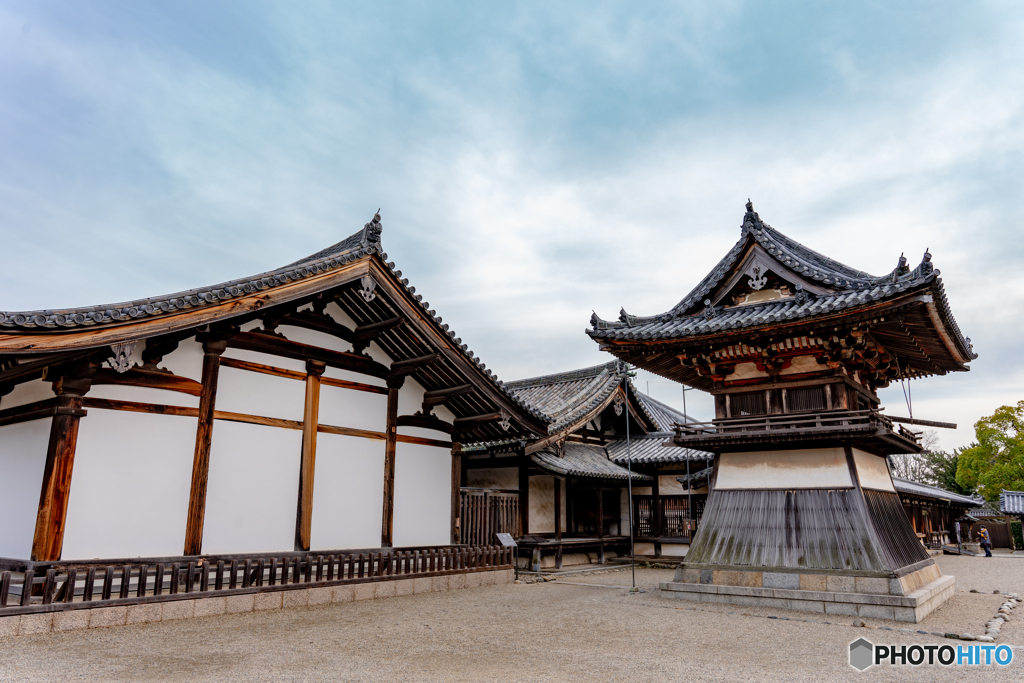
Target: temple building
(802, 510)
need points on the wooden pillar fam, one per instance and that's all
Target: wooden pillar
(558, 522)
(570, 516)
(656, 513)
(307, 468)
(524, 494)
(388, 518)
(456, 530)
(204, 437)
(60, 460)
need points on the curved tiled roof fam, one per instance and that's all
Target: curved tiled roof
(665, 416)
(362, 244)
(581, 460)
(648, 448)
(1012, 502)
(924, 490)
(847, 287)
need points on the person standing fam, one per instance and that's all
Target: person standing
(986, 541)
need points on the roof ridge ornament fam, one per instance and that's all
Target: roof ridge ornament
(757, 281)
(751, 220)
(372, 231)
(709, 310)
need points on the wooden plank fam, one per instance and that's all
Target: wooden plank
(354, 386)
(60, 461)
(212, 351)
(138, 377)
(307, 467)
(30, 411)
(426, 422)
(388, 515)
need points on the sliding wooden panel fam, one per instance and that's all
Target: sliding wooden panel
(204, 437)
(310, 420)
(60, 461)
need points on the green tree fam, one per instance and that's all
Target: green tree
(996, 461)
(941, 468)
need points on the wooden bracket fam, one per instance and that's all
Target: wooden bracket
(407, 367)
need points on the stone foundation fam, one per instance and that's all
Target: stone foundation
(910, 597)
(119, 615)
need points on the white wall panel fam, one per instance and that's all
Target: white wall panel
(27, 392)
(186, 360)
(130, 486)
(348, 492)
(253, 393)
(355, 409)
(422, 495)
(22, 459)
(119, 392)
(253, 488)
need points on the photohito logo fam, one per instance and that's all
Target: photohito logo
(864, 654)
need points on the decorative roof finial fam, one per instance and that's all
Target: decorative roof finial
(750, 206)
(750, 219)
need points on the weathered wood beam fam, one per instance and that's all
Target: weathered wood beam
(364, 334)
(456, 494)
(48, 540)
(277, 346)
(440, 396)
(426, 422)
(31, 369)
(27, 412)
(293, 374)
(388, 514)
(141, 377)
(307, 468)
(407, 367)
(923, 423)
(318, 322)
(464, 424)
(212, 351)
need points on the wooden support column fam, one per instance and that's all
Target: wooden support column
(570, 515)
(204, 437)
(307, 468)
(388, 519)
(60, 460)
(456, 492)
(656, 513)
(600, 523)
(524, 494)
(558, 522)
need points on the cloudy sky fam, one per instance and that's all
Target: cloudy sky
(532, 161)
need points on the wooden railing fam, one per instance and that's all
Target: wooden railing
(821, 421)
(674, 516)
(97, 585)
(486, 512)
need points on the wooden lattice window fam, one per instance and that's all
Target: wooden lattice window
(806, 398)
(748, 404)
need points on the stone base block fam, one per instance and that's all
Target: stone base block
(912, 607)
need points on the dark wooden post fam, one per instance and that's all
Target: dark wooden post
(388, 521)
(456, 492)
(656, 514)
(570, 515)
(204, 437)
(600, 523)
(524, 494)
(60, 461)
(558, 522)
(307, 468)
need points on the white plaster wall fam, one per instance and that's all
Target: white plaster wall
(810, 468)
(120, 392)
(27, 392)
(542, 504)
(22, 459)
(873, 471)
(348, 493)
(254, 393)
(253, 488)
(130, 485)
(494, 478)
(354, 409)
(422, 495)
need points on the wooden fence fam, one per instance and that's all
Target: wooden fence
(95, 585)
(486, 512)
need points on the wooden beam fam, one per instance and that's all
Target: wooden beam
(212, 351)
(426, 422)
(278, 346)
(307, 468)
(524, 493)
(27, 412)
(318, 322)
(388, 516)
(923, 423)
(51, 517)
(407, 367)
(465, 424)
(440, 396)
(364, 334)
(456, 494)
(153, 379)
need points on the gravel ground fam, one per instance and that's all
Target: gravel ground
(558, 630)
